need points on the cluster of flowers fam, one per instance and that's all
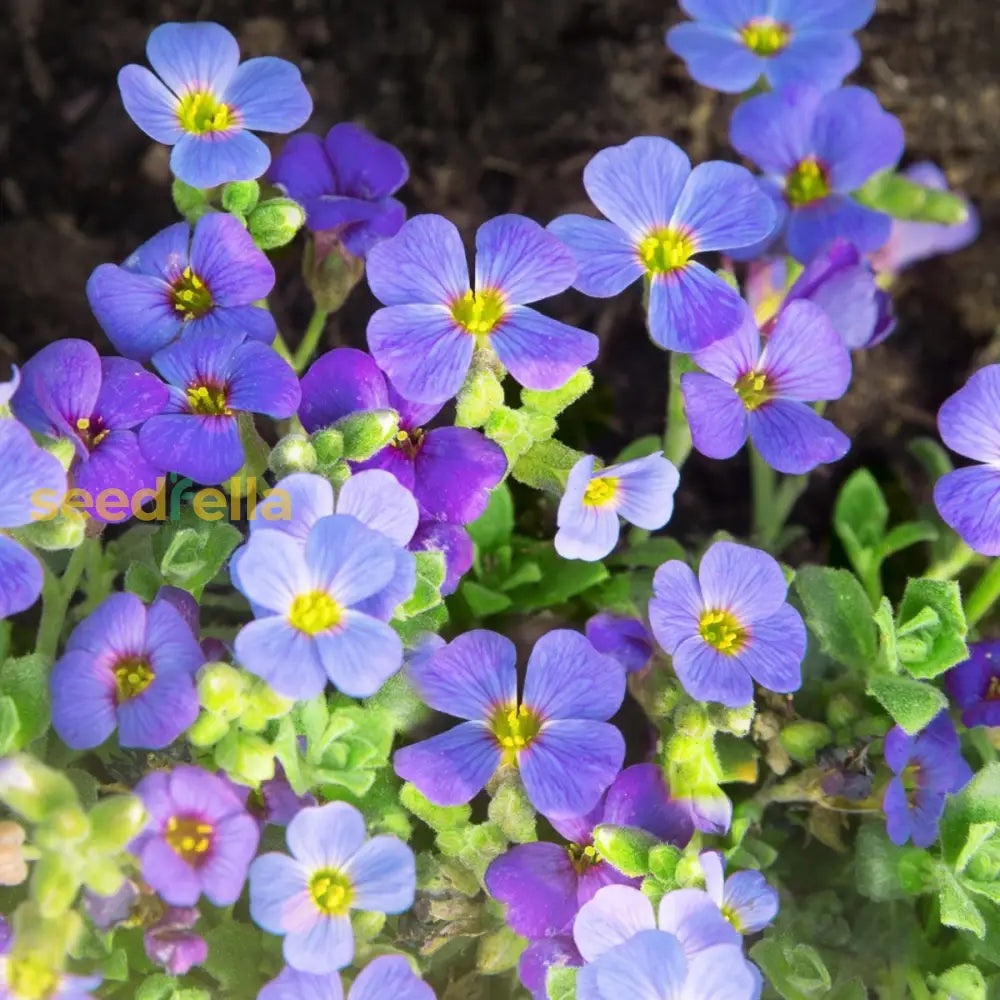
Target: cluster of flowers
(199, 356)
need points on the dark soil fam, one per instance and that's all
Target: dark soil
(497, 106)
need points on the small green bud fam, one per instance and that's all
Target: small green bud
(481, 394)
(328, 444)
(263, 702)
(33, 790)
(539, 425)
(66, 530)
(246, 756)
(738, 720)
(114, 821)
(367, 432)
(191, 202)
(338, 474)
(663, 861)
(102, 875)
(842, 710)
(330, 271)
(367, 925)
(625, 847)
(293, 453)
(274, 223)
(240, 197)
(512, 812)
(54, 883)
(691, 720)
(688, 870)
(553, 401)
(222, 690)
(509, 428)
(63, 827)
(802, 739)
(207, 730)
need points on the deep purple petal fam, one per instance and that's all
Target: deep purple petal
(364, 165)
(607, 259)
(716, 415)
(676, 605)
(260, 381)
(897, 812)
(253, 322)
(193, 56)
(129, 394)
(640, 797)
(709, 675)
(167, 873)
(541, 352)
(338, 383)
(691, 308)
(716, 58)
(810, 228)
(775, 649)
(59, 384)
(451, 768)
(625, 639)
(224, 256)
(538, 885)
(149, 103)
(792, 438)
(969, 420)
(456, 468)
(206, 449)
(218, 158)
(539, 957)
(303, 168)
(517, 257)
(116, 463)
(83, 700)
(269, 95)
(735, 355)
(775, 129)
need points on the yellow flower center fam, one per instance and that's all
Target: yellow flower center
(753, 389)
(91, 431)
(132, 676)
(208, 401)
(601, 492)
(666, 250)
(191, 296)
(30, 980)
(582, 858)
(199, 112)
(764, 36)
(408, 441)
(722, 631)
(479, 312)
(315, 612)
(331, 891)
(189, 837)
(807, 182)
(514, 729)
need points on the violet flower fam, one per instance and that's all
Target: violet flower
(624, 638)
(171, 943)
(745, 899)
(974, 685)
(388, 977)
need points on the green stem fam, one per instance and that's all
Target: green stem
(57, 592)
(677, 436)
(984, 594)
(310, 340)
(952, 564)
(763, 482)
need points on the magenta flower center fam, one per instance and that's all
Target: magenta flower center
(190, 838)
(190, 295)
(807, 182)
(764, 36)
(200, 112)
(91, 431)
(514, 728)
(722, 631)
(331, 891)
(479, 312)
(753, 389)
(208, 400)
(132, 676)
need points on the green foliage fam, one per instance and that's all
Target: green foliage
(190, 551)
(560, 983)
(839, 613)
(902, 198)
(24, 682)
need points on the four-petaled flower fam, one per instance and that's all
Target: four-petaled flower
(624, 638)
(974, 685)
(308, 897)
(433, 321)
(178, 283)
(745, 898)
(204, 103)
(556, 735)
(730, 626)
(388, 977)
(762, 392)
(662, 214)
(730, 46)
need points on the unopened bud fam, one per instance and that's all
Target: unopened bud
(222, 690)
(481, 394)
(274, 223)
(330, 270)
(293, 453)
(114, 821)
(367, 432)
(240, 197)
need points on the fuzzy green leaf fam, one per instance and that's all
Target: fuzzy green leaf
(840, 615)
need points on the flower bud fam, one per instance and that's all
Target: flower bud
(509, 428)
(262, 704)
(102, 875)
(66, 530)
(191, 202)
(293, 453)
(114, 821)
(512, 812)
(663, 861)
(625, 847)
(240, 197)
(13, 866)
(62, 449)
(207, 730)
(328, 445)
(841, 710)
(33, 790)
(246, 757)
(688, 870)
(481, 394)
(691, 720)
(802, 739)
(222, 690)
(61, 827)
(367, 432)
(54, 883)
(330, 271)
(274, 222)
(553, 401)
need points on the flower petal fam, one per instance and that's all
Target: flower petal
(83, 698)
(640, 797)
(814, 226)
(695, 920)
(20, 578)
(451, 768)
(751, 903)
(149, 104)
(691, 308)
(219, 157)
(822, 58)
(381, 503)
(303, 168)
(155, 718)
(517, 257)
(607, 260)
(825, 15)
(676, 605)
(774, 652)
(709, 675)
(805, 358)
(721, 973)
(134, 310)
(456, 468)
(716, 415)
(234, 845)
(775, 130)
(389, 976)
(537, 884)
(649, 966)
(225, 257)
(716, 57)
(283, 656)
(189, 57)
(365, 166)
(116, 463)
(27, 470)
(269, 95)
(792, 438)
(646, 488)
(327, 946)
(338, 383)
(361, 655)
(383, 876)
(540, 352)
(290, 984)
(742, 580)
(969, 420)
(326, 836)
(206, 449)
(968, 500)
(614, 915)
(347, 559)
(586, 532)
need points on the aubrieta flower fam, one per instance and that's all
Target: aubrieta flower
(730, 626)
(345, 183)
(309, 627)
(388, 976)
(745, 898)
(198, 838)
(974, 685)
(927, 768)
(815, 149)
(838, 280)
(27, 470)
(68, 391)
(730, 45)
(178, 283)
(910, 242)
(130, 668)
(433, 321)
(762, 391)
(556, 735)
(453, 542)
(308, 897)
(204, 102)
(640, 491)
(968, 499)
(172, 944)
(662, 213)
(29, 979)
(624, 638)
(213, 377)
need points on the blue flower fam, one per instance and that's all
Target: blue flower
(745, 898)
(388, 977)
(662, 214)
(178, 283)
(641, 491)
(815, 149)
(974, 685)
(625, 639)
(204, 103)
(731, 44)
(333, 869)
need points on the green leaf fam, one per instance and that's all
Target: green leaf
(861, 515)
(560, 983)
(962, 982)
(939, 644)
(561, 580)
(979, 834)
(840, 615)
(640, 448)
(232, 950)
(9, 725)
(935, 459)
(903, 198)
(546, 465)
(907, 534)
(191, 551)
(143, 580)
(910, 702)
(978, 802)
(498, 952)
(957, 908)
(26, 682)
(796, 971)
(553, 401)
(879, 864)
(436, 817)
(156, 987)
(853, 989)
(652, 552)
(886, 624)
(482, 601)
(494, 526)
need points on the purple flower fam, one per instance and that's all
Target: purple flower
(730, 626)
(730, 45)
(928, 767)
(68, 391)
(388, 977)
(745, 898)
(8, 388)
(204, 103)
(214, 377)
(433, 321)
(450, 470)
(453, 542)
(968, 499)
(128, 668)
(641, 491)
(280, 802)
(567, 754)
(345, 183)
(910, 242)
(107, 912)
(543, 885)
(6, 935)
(176, 284)
(308, 897)
(662, 214)
(308, 602)
(29, 474)
(542, 955)
(974, 685)
(838, 280)
(171, 944)
(761, 391)
(625, 639)
(198, 839)
(815, 149)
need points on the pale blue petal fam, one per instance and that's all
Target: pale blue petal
(615, 914)
(269, 95)
(378, 500)
(276, 881)
(360, 655)
(198, 56)
(273, 571)
(516, 256)
(540, 352)
(20, 578)
(149, 104)
(649, 966)
(383, 876)
(309, 497)
(746, 582)
(822, 58)
(968, 500)
(792, 438)
(716, 415)
(716, 57)
(326, 947)
(969, 420)
(676, 605)
(695, 920)
(708, 675)
(775, 130)
(346, 559)
(389, 977)
(219, 157)
(720, 973)
(607, 260)
(326, 836)
(272, 648)
(646, 488)
(691, 308)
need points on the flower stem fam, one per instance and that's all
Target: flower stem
(57, 592)
(952, 564)
(677, 436)
(310, 340)
(984, 594)
(772, 500)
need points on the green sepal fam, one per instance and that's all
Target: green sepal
(625, 848)
(191, 202)
(546, 466)
(553, 401)
(366, 432)
(274, 222)
(903, 198)
(240, 197)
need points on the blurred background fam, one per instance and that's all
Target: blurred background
(498, 106)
